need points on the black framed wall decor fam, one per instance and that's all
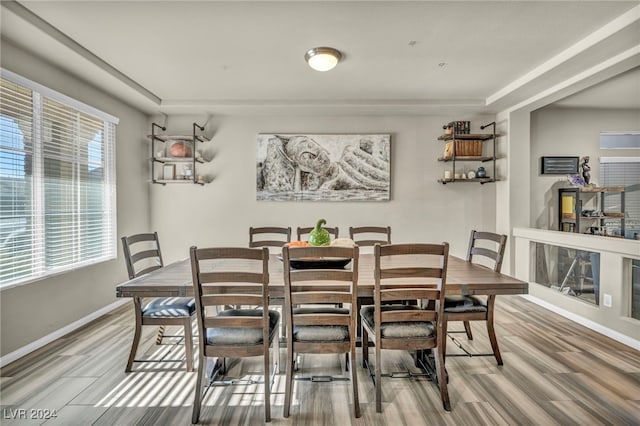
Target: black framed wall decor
(559, 165)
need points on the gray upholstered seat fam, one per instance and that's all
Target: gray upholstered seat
(170, 307)
(320, 333)
(242, 336)
(392, 330)
(464, 304)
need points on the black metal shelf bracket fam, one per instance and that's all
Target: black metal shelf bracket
(153, 149)
(493, 131)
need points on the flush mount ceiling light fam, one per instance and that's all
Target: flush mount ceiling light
(323, 58)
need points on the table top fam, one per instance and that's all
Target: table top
(462, 278)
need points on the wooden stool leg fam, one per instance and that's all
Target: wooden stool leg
(365, 347)
(378, 379)
(267, 384)
(197, 400)
(354, 382)
(491, 329)
(443, 348)
(467, 329)
(188, 343)
(137, 304)
(160, 335)
(289, 378)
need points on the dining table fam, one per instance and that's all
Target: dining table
(463, 277)
(175, 280)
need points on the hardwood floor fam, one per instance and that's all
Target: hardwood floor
(555, 372)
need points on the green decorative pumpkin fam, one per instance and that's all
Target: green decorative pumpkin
(319, 236)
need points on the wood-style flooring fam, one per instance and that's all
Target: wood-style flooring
(555, 372)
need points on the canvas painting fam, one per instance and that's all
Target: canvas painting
(323, 167)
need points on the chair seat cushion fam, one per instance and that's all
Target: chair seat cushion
(461, 304)
(320, 333)
(171, 307)
(242, 336)
(391, 330)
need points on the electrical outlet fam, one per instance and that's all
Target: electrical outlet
(607, 300)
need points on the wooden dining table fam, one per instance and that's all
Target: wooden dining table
(174, 280)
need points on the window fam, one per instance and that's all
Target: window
(623, 171)
(57, 182)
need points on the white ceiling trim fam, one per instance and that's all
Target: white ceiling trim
(621, 22)
(328, 102)
(629, 58)
(76, 47)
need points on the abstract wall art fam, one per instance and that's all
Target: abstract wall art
(323, 167)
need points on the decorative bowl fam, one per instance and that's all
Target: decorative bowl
(318, 263)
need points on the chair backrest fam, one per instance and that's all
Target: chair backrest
(414, 271)
(269, 236)
(305, 230)
(141, 253)
(488, 245)
(321, 286)
(370, 235)
(231, 276)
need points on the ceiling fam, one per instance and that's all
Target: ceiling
(399, 57)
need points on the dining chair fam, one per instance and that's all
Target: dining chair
(142, 255)
(269, 236)
(489, 247)
(220, 278)
(407, 272)
(302, 231)
(320, 329)
(370, 235)
(367, 236)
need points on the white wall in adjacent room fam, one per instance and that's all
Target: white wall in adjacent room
(570, 132)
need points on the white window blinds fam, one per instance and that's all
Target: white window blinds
(623, 171)
(57, 182)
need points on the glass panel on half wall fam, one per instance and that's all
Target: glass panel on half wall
(569, 271)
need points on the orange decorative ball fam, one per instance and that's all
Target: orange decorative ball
(180, 149)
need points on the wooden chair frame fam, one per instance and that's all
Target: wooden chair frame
(305, 230)
(496, 256)
(427, 283)
(185, 321)
(368, 241)
(320, 286)
(227, 287)
(272, 230)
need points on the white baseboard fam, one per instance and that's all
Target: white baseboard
(615, 335)
(25, 350)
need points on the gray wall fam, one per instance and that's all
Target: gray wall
(32, 311)
(570, 132)
(221, 212)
